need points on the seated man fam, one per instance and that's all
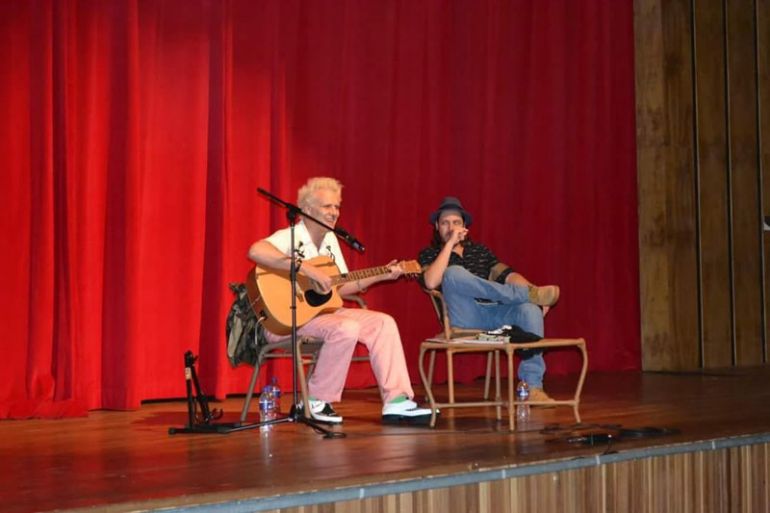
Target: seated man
(343, 328)
(482, 293)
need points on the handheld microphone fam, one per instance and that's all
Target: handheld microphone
(354, 243)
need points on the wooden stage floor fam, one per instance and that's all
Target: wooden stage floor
(127, 461)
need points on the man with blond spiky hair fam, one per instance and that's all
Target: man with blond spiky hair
(341, 329)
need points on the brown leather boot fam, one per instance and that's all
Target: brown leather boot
(538, 394)
(546, 295)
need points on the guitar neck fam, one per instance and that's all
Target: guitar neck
(360, 274)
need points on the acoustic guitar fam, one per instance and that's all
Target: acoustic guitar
(270, 292)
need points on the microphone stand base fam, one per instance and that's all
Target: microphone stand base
(300, 418)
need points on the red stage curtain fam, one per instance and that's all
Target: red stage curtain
(135, 132)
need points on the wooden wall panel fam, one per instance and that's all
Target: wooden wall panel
(577, 490)
(622, 495)
(748, 494)
(703, 132)
(713, 467)
(763, 100)
(667, 220)
(711, 481)
(713, 207)
(744, 172)
(765, 456)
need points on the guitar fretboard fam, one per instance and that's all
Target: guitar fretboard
(360, 274)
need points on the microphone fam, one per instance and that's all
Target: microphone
(354, 243)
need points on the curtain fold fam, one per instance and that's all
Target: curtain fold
(136, 133)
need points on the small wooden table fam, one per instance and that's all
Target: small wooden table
(470, 345)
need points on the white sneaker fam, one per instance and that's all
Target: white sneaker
(321, 411)
(405, 412)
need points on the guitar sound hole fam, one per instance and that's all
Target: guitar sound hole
(313, 298)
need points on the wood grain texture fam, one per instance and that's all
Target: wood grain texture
(763, 63)
(745, 178)
(665, 167)
(702, 143)
(713, 182)
(725, 480)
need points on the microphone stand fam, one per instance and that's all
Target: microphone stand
(292, 212)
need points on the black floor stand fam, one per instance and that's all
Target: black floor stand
(298, 417)
(203, 422)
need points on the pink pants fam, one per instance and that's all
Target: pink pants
(340, 331)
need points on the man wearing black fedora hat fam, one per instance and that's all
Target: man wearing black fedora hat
(481, 292)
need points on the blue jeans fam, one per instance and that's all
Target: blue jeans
(510, 306)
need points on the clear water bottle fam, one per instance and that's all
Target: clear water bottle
(266, 408)
(276, 395)
(522, 395)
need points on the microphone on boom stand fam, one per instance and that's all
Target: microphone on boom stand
(354, 243)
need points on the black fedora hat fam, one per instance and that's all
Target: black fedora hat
(451, 203)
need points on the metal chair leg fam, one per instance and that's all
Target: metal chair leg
(250, 393)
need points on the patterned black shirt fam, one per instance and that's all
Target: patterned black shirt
(477, 258)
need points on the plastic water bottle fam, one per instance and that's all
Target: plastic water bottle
(266, 408)
(276, 395)
(522, 395)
